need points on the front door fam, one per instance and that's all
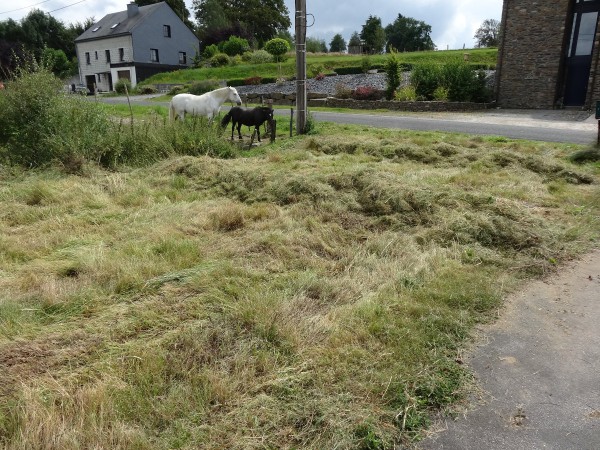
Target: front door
(579, 53)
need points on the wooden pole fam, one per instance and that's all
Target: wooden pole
(301, 66)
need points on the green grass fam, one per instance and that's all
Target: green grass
(328, 61)
(312, 293)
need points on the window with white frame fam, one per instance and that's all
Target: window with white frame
(182, 58)
(154, 54)
(167, 31)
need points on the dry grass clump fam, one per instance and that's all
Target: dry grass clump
(314, 299)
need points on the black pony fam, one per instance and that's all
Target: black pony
(250, 117)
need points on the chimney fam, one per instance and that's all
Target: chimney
(132, 9)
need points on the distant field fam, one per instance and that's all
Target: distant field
(327, 61)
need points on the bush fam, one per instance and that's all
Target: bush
(39, 124)
(278, 48)
(145, 90)
(203, 86)
(260, 57)
(210, 51)
(460, 81)
(342, 91)
(392, 75)
(219, 60)
(406, 94)
(235, 46)
(426, 78)
(440, 94)
(122, 86)
(177, 90)
(351, 70)
(365, 64)
(367, 93)
(252, 81)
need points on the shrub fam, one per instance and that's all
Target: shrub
(367, 93)
(210, 51)
(202, 86)
(278, 48)
(219, 60)
(460, 80)
(260, 57)
(392, 75)
(440, 94)
(177, 90)
(39, 124)
(122, 86)
(145, 90)
(252, 81)
(426, 78)
(406, 94)
(342, 91)
(316, 69)
(365, 64)
(235, 46)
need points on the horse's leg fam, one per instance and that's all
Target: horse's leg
(239, 127)
(257, 128)
(232, 128)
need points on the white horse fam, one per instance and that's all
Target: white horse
(207, 105)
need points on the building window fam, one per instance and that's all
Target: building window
(107, 53)
(96, 55)
(87, 58)
(182, 58)
(154, 55)
(167, 31)
(121, 55)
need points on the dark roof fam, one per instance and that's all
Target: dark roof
(104, 27)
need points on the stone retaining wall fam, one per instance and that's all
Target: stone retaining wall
(331, 102)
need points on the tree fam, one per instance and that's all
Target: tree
(408, 35)
(178, 6)
(257, 20)
(488, 34)
(373, 35)
(354, 40)
(278, 48)
(337, 44)
(315, 45)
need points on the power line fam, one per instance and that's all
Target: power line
(24, 7)
(72, 4)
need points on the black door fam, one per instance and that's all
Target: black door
(579, 53)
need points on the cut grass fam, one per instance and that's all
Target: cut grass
(314, 293)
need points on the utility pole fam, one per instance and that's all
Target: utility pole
(301, 66)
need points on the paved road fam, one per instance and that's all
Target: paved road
(536, 125)
(531, 131)
(539, 370)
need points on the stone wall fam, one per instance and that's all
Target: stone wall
(530, 56)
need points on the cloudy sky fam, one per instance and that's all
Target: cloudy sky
(453, 22)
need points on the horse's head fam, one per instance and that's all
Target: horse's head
(234, 96)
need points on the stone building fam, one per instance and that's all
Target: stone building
(549, 54)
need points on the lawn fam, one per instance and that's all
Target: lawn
(313, 293)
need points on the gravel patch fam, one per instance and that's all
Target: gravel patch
(325, 86)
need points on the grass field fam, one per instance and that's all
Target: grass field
(315, 293)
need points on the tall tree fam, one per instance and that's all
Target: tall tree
(354, 40)
(373, 35)
(408, 35)
(315, 45)
(337, 44)
(488, 34)
(178, 6)
(258, 19)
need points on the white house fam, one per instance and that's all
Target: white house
(134, 44)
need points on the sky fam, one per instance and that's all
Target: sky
(453, 22)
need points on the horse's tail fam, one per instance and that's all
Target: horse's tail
(171, 111)
(226, 119)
